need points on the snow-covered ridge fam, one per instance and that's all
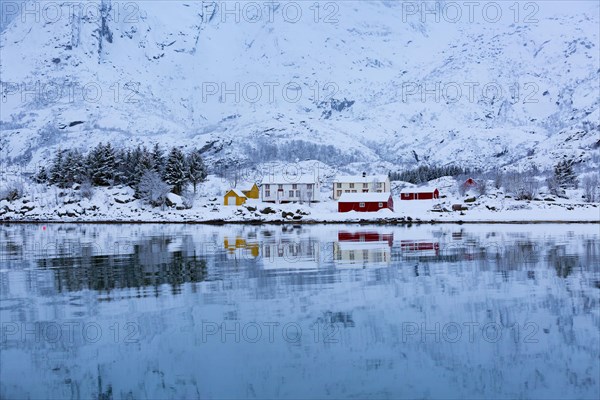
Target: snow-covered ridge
(375, 81)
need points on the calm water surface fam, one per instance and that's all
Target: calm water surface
(176, 311)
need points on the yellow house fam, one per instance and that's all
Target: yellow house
(253, 193)
(234, 198)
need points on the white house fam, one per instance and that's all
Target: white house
(360, 184)
(290, 188)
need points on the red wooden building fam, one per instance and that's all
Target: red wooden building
(419, 194)
(365, 202)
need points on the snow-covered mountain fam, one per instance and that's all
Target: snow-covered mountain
(386, 83)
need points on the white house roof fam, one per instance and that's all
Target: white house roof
(288, 179)
(237, 192)
(418, 190)
(360, 178)
(364, 197)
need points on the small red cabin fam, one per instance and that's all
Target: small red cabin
(470, 182)
(419, 194)
(365, 202)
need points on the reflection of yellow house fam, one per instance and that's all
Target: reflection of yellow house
(240, 243)
(253, 193)
(234, 198)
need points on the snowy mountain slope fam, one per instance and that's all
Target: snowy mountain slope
(371, 79)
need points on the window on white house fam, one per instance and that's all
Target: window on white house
(267, 187)
(291, 193)
(309, 186)
(295, 186)
(346, 191)
(351, 185)
(361, 205)
(297, 193)
(379, 184)
(353, 191)
(339, 192)
(365, 185)
(267, 193)
(339, 185)
(280, 187)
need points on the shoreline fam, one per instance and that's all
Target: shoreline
(298, 222)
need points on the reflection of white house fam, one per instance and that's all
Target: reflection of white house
(360, 184)
(290, 188)
(366, 254)
(291, 253)
(362, 249)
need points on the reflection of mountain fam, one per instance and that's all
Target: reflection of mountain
(362, 249)
(150, 265)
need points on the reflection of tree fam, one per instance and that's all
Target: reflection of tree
(145, 267)
(563, 263)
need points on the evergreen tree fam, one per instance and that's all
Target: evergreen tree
(56, 171)
(196, 168)
(73, 168)
(41, 176)
(144, 162)
(176, 172)
(564, 175)
(102, 165)
(158, 159)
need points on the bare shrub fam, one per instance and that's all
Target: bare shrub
(86, 190)
(522, 186)
(590, 188)
(481, 187)
(12, 190)
(152, 189)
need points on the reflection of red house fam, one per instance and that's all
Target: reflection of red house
(366, 237)
(414, 245)
(419, 194)
(365, 202)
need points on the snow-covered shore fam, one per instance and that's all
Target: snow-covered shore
(119, 205)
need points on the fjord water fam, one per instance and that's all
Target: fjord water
(348, 311)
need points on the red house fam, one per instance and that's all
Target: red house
(419, 194)
(365, 202)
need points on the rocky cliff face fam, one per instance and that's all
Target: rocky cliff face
(392, 83)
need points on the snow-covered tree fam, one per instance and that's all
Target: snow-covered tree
(73, 168)
(564, 175)
(41, 176)
(590, 188)
(102, 165)
(158, 158)
(56, 170)
(152, 189)
(176, 172)
(196, 168)
(144, 162)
